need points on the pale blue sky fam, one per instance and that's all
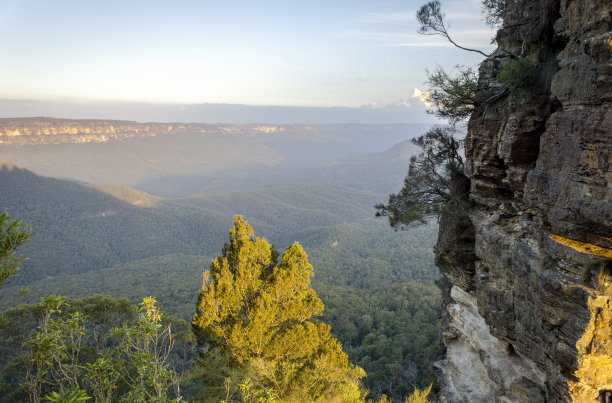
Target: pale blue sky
(283, 52)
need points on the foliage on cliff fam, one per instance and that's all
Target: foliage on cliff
(431, 182)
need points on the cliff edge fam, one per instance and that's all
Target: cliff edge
(46, 130)
(529, 255)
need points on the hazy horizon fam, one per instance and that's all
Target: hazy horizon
(363, 60)
(217, 113)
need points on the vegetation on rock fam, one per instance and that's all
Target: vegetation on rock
(519, 77)
(435, 177)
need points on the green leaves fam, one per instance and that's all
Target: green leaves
(247, 299)
(453, 95)
(132, 368)
(13, 233)
(432, 180)
(257, 313)
(54, 351)
(67, 396)
(520, 77)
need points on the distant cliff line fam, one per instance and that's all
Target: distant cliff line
(46, 130)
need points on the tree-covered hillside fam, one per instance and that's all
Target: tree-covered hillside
(376, 284)
(79, 228)
(97, 230)
(379, 172)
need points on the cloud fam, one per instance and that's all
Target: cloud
(402, 103)
(422, 96)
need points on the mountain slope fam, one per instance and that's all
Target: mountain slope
(379, 172)
(80, 228)
(116, 240)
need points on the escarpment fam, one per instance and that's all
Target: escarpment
(529, 255)
(44, 130)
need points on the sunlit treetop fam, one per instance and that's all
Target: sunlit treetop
(258, 313)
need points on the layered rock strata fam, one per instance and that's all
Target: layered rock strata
(43, 130)
(530, 254)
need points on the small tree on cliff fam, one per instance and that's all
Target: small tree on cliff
(253, 325)
(435, 177)
(455, 94)
(431, 18)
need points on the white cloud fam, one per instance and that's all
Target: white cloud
(422, 96)
(402, 103)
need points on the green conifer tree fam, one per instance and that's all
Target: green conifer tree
(253, 325)
(13, 233)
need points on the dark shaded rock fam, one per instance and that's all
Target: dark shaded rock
(455, 246)
(569, 186)
(526, 390)
(532, 314)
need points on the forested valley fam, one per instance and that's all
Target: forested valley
(379, 287)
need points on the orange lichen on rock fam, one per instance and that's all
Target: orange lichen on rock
(594, 370)
(583, 247)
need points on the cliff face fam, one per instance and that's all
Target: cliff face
(29, 131)
(530, 254)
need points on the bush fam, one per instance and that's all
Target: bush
(454, 95)
(520, 77)
(435, 178)
(419, 395)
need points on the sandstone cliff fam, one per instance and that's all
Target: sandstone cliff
(43, 130)
(529, 255)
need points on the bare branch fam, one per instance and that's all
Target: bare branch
(431, 18)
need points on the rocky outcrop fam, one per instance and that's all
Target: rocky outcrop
(28, 131)
(531, 316)
(42, 130)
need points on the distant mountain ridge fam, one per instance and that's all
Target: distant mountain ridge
(180, 159)
(48, 130)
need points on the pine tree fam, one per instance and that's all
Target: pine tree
(435, 179)
(253, 325)
(13, 233)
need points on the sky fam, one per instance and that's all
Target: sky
(359, 55)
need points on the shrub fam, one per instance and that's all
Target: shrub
(520, 77)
